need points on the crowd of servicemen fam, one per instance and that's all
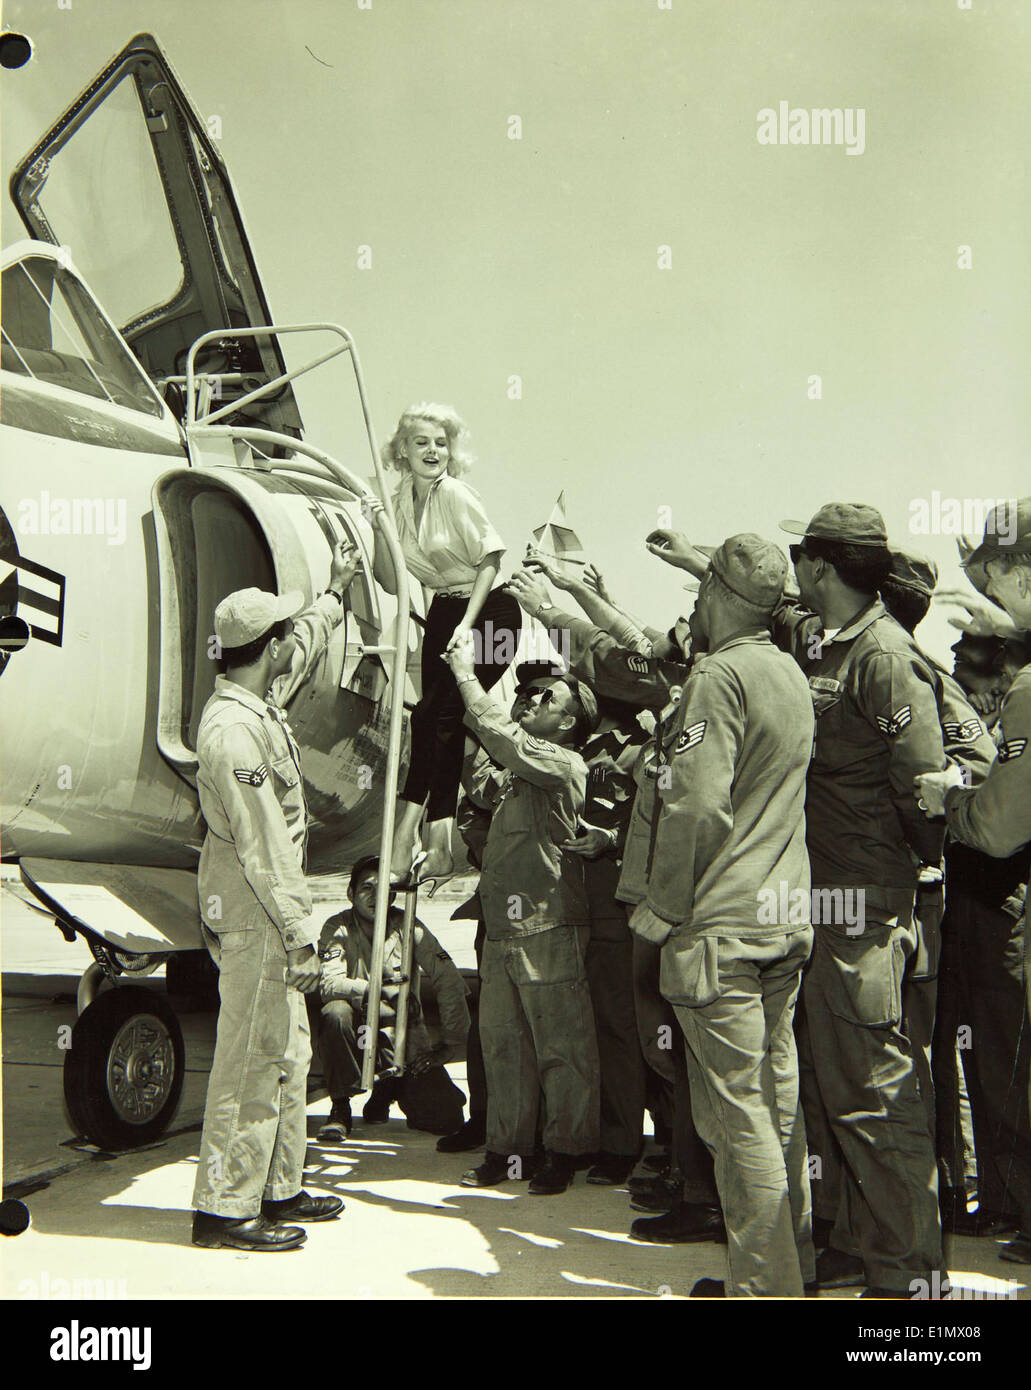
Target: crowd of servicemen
(763, 875)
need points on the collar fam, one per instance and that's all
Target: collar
(226, 689)
(874, 609)
(735, 641)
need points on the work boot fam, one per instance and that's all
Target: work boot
(472, 1135)
(376, 1110)
(246, 1233)
(554, 1175)
(836, 1270)
(1018, 1250)
(661, 1198)
(338, 1127)
(649, 1182)
(658, 1161)
(709, 1288)
(686, 1223)
(495, 1168)
(302, 1208)
(611, 1170)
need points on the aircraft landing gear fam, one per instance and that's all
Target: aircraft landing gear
(124, 1073)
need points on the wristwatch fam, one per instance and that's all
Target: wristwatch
(338, 596)
(461, 680)
(543, 607)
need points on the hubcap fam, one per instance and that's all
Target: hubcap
(140, 1069)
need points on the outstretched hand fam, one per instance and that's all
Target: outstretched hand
(675, 548)
(979, 617)
(528, 590)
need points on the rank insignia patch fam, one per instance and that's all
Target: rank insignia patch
(896, 723)
(691, 737)
(1011, 749)
(966, 732)
(251, 777)
(638, 664)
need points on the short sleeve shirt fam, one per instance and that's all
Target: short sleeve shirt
(454, 535)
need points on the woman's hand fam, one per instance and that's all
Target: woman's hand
(372, 509)
(460, 633)
(461, 656)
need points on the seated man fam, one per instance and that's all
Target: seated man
(425, 1092)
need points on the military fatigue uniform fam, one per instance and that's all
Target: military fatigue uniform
(430, 1100)
(653, 683)
(536, 1024)
(996, 819)
(730, 842)
(877, 727)
(610, 755)
(255, 906)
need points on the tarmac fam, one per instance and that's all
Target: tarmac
(117, 1226)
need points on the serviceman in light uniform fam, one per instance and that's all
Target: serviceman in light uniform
(731, 837)
(996, 816)
(257, 917)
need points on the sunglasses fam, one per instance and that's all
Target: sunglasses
(797, 552)
(544, 694)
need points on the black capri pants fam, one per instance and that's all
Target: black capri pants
(438, 733)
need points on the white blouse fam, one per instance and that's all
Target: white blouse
(453, 537)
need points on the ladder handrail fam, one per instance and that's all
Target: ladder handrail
(383, 523)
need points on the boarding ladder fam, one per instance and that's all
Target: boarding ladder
(203, 391)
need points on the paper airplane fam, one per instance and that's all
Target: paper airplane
(557, 541)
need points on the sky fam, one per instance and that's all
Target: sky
(664, 286)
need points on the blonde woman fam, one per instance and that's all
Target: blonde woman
(451, 548)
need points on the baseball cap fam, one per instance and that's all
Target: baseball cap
(1006, 528)
(752, 568)
(852, 522)
(528, 671)
(916, 572)
(248, 613)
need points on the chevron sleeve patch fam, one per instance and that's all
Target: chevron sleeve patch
(1011, 749)
(898, 721)
(251, 777)
(691, 737)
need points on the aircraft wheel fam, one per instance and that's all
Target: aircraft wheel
(124, 1072)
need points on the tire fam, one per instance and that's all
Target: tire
(111, 1099)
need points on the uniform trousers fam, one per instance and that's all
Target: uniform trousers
(982, 998)
(430, 1101)
(663, 1048)
(610, 974)
(860, 1090)
(537, 1033)
(735, 999)
(255, 1127)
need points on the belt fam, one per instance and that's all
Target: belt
(453, 593)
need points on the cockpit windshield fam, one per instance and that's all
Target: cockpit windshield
(53, 332)
(106, 177)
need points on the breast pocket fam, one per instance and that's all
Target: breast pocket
(285, 771)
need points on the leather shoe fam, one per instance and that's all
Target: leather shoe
(1018, 1250)
(554, 1175)
(709, 1288)
(472, 1135)
(376, 1110)
(648, 1182)
(495, 1168)
(302, 1208)
(248, 1233)
(684, 1224)
(836, 1270)
(656, 1162)
(663, 1198)
(338, 1127)
(611, 1170)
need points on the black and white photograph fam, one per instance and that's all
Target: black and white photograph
(515, 663)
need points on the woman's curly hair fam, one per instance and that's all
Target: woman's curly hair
(459, 458)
